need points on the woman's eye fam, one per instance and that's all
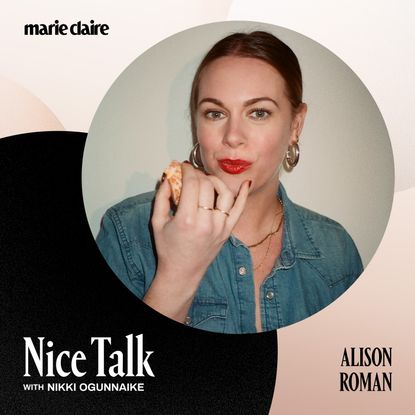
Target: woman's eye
(214, 115)
(259, 114)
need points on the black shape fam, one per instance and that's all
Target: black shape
(54, 283)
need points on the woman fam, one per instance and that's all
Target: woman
(237, 256)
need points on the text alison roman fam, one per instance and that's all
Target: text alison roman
(366, 357)
(42, 360)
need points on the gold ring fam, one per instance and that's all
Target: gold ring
(222, 211)
(205, 207)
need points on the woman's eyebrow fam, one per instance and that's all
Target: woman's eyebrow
(212, 100)
(254, 100)
(246, 103)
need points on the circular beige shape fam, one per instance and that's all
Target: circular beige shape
(22, 112)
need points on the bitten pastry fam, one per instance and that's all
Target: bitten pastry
(173, 174)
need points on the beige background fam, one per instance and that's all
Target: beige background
(346, 167)
(375, 38)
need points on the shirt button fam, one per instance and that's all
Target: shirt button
(269, 295)
(187, 320)
(242, 271)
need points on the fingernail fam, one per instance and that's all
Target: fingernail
(187, 162)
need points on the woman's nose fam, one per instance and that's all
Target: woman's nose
(234, 133)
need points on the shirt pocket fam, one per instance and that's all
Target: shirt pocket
(207, 313)
(336, 273)
(337, 279)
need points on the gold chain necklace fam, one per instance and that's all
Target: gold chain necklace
(269, 243)
(272, 225)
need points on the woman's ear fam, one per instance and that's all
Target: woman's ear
(298, 123)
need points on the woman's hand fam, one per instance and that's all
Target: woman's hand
(188, 242)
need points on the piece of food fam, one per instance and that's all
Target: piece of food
(173, 174)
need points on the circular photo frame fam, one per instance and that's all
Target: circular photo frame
(345, 173)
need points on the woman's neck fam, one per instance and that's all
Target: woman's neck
(258, 215)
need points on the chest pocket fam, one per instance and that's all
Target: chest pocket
(207, 313)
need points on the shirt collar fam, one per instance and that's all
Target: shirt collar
(297, 242)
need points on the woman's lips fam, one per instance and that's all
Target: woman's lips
(234, 166)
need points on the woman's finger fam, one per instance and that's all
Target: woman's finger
(206, 195)
(189, 197)
(239, 204)
(161, 211)
(225, 198)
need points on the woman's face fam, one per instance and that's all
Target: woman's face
(244, 122)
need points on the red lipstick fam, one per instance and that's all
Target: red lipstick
(234, 166)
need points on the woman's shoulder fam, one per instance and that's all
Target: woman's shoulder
(332, 240)
(130, 218)
(303, 218)
(313, 218)
(322, 229)
(136, 205)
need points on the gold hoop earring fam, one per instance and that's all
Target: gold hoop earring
(195, 158)
(292, 156)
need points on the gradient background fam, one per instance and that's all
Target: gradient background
(61, 81)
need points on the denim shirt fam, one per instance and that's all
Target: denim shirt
(318, 262)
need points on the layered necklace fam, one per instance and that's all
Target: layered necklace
(269, 236)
